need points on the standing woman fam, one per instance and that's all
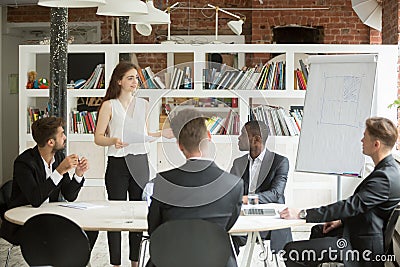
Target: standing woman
(127, 166)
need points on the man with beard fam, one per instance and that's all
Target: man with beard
(41, 174)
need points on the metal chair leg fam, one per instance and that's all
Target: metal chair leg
(142, 255)
(276, 259)
(8, 255)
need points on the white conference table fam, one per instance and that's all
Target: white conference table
(132, 216)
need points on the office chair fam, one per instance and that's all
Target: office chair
(5, 196)
(50, 239)
(389, 230)
(195, 243)
(144, 245)
(388, 236)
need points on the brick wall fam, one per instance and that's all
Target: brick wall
(390, 26)
(390, 22)
(340, 23)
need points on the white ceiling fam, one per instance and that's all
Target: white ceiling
(18, 2)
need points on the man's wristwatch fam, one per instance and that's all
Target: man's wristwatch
(303, 214)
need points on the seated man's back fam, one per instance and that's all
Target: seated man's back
(198, 189)
(209, 194)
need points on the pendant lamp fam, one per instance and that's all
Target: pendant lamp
(144, 29)
(154, 16)
(122, 8)
(71, 3)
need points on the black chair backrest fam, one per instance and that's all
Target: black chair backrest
(183, 243)
(390, 226)
(5, 196)
(53, 240)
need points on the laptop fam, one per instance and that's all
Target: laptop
(262, 209)
(259, 211)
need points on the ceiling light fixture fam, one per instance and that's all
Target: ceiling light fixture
(71, 3)
(122, 8)
(154, 16)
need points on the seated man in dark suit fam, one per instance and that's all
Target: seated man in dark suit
(41, 174)
(264, 173)
(354, 227)
(198, 189)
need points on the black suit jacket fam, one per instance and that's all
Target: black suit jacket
(364, 214)
(271, 183)
(31, 187)
(272, 178)
(196, 190)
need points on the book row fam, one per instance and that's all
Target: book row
(95, 81)
(270, 76)
(83, 122)
(301, 76)
(179, 78)
(224, 126)
(34, 114)
(279, 121)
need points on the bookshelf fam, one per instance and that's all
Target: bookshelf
(164, 153)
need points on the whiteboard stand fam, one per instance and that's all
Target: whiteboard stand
(339, 188)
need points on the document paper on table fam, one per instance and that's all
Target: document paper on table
(80, 205)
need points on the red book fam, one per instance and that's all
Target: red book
(75, 123)
(300, 80)
(89, 126)
(89, 114)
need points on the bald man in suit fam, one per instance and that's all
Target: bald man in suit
(264, 173)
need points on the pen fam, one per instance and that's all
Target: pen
(350, 174)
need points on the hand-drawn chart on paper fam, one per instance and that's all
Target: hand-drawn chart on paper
(338, 101)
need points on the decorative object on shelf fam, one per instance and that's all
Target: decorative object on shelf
(43, 83)
(235, 26)
(369, 12)
(71, 3)
(154, 16)
(122, 8)
(31, 79)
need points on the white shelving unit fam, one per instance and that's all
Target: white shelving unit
(226, 146)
